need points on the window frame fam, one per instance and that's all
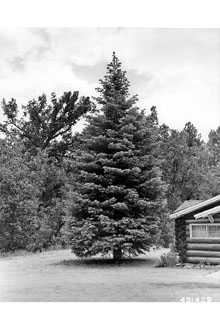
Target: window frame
(206, 225)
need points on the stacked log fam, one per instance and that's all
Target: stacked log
(206, 260)
(202, 250)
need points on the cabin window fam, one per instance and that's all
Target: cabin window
(204, 231)
(213, 231)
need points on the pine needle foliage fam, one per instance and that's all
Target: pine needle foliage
(118, 195)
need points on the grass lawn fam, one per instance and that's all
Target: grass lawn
(59, 276)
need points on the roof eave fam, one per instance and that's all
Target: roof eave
(206, 213)
(194, 207)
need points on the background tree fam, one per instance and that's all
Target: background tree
(43, 134)
(210, 183)
(117, 199)
(214, 147)
(19, 189)
(181, 162)
(159, 136)
(31, 210)
(41, 123)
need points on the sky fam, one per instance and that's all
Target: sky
(176, 70)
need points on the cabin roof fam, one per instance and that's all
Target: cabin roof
(208, 212)
(193, 206)
(187, 204)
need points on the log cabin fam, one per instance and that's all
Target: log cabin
(197, 231)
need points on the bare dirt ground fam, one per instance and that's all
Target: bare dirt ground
(59, 276)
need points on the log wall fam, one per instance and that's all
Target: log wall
(197, 260)
(201, 249)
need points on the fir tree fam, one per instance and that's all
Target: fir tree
(118, 193)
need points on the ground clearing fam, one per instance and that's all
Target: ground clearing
(59, 276)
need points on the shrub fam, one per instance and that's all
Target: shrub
(204, 263)
(169, 259)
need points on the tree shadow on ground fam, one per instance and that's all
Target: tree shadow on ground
(107, 262)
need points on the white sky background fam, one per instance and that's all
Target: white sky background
(177, 70)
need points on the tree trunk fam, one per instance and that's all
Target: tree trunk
(117, 254)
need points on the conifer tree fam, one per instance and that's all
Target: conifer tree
(117, 198)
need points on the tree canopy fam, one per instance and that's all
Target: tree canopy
(118, 194)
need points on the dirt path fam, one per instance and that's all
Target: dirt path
(59, 276)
